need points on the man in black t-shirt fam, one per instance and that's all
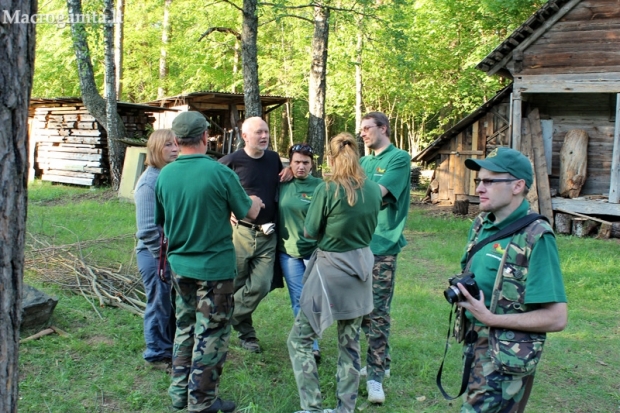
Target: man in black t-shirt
(260, 171)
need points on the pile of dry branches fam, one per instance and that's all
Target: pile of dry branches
(65, 266)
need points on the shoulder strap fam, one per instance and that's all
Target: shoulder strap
(509, 230)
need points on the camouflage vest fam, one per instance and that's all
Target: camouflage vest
(509, 290)
(513, 351)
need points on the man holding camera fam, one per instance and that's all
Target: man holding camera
(522, 293)
(260, 171)
(194, 199)
(390, 167)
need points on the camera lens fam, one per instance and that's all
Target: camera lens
(452, 294)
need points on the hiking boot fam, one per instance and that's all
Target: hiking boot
(375, 392)
(317, 356)
(219, 405)
(386, 373)
(164, 364)
(251, 345)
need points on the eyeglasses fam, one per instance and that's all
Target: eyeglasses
(303, 148)
(367, 128)
(489, 182)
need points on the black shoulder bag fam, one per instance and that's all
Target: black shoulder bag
(471, 336)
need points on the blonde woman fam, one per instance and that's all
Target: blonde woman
(338, 278)
(158, 316)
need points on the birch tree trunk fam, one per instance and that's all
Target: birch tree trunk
(119, 37)
(163, 62)
(316, 89)
(251, 91)
(93, 101)
(17, 43)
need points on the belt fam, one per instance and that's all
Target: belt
(249, 225)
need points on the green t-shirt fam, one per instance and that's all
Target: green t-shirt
(391, 169)
(295, 197)
(338, 226)
(194, 198)
(544, 282)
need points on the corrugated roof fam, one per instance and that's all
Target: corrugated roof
(77, 100)
(428, 152)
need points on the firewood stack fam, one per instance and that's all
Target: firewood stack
(71, 146)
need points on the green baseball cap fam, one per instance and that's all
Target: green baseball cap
(189, 125)
(505, 160)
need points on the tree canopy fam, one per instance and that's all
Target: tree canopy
(417, 61)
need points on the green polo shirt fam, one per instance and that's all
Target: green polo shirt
(293, 204)
(338, 226)
(194, 198)
(391, 169)
(544, 282)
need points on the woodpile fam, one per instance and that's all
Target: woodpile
(71, 146)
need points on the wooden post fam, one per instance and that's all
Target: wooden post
(527, 150)
(540, 166)
(474, 147)
(614, 185)
(515, 141)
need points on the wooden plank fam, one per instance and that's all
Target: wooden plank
(528, 151)
(443, 176)
(68, 180)
(458, 168)
(614, 186)
(68, 155)
(586, 207)
(76, 149)
(540, 166)
(573, 83)
(515, 139)
(85, 132)
(475, 136)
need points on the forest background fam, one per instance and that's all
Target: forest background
(417, 58)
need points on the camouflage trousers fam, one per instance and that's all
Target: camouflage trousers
(376, 325)
(305, 369)
(489, 391)
(203, 313)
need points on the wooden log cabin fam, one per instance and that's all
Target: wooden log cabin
(564, 67)
(68, 145)
(224, 111)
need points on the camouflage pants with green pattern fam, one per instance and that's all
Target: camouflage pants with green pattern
(203, 312)
(489, 391)
(305, 369)
(376, 325)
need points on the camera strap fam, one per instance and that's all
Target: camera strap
(470, 339)
(163, 258)
(513, 228)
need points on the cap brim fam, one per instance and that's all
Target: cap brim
(477, 164)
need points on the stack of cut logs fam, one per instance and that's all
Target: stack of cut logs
(72, 146)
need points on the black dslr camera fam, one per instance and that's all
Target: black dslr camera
(453, 294)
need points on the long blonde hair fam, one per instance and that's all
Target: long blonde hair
(155, 147)
(346, 170)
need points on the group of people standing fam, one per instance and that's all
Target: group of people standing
(226, 223)
(336, 240)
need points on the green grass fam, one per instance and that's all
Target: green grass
(99, 367)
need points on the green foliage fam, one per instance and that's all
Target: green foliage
(418, 59)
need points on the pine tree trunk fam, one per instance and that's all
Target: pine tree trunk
(251, 91)
(91, 98)
(17, 45)
(316, 89)
(163, 62)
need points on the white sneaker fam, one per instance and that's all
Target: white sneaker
(386, 374)
(375, 392)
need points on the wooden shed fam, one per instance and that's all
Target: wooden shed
(224, 111)
(564, 66)
(68, 145)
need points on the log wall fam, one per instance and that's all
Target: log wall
(585, 40)
(592, 113)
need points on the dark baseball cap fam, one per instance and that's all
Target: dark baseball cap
(189, 124)
(505, 160)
